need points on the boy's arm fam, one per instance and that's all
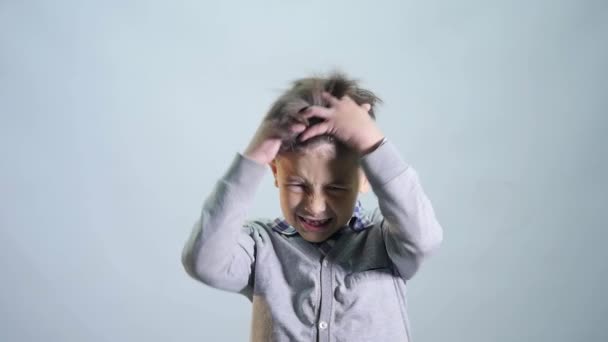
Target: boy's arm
(409, 226)
(411, 231)
(220, 250)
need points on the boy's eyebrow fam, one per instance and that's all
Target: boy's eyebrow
(339, 183)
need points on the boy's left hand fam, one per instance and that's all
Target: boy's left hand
(345, 120)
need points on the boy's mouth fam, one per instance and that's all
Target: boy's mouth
(314, 224)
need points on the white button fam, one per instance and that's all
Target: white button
(325, 263)
(322, 325)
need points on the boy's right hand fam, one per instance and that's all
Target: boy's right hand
(267, 140)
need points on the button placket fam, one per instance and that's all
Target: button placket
(326, 300)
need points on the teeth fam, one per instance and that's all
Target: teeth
(315, 222)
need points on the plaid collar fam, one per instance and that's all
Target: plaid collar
(358, 222)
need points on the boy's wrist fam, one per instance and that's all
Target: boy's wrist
(374, 147)
(371, 143)
(252, 157)
(383, 165)
(262, 152)
(244, 173)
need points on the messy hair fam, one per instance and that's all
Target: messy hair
(307, 92)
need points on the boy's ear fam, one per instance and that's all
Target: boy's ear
(363, 182)
(273, 167)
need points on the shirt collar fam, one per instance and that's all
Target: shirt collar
(357, 222)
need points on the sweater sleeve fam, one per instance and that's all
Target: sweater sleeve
(409, 227)
(220, 251)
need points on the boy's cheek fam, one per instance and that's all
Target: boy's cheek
(292, 199)
(290, 202)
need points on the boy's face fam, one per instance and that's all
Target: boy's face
(318, 189)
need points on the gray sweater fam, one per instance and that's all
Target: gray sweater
(357, 292)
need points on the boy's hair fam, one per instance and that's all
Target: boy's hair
(306, 92)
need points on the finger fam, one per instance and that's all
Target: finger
(303, 109)
(333, 101)
(347, 98)
(296, 118)
(297, 128)
(288, 130)
(366, 106)
(317, 111)
(314, 130)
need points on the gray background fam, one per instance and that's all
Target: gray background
(119, 116)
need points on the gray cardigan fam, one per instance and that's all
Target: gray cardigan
(357, 292)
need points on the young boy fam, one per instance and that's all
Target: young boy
(327, 270)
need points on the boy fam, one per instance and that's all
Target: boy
(327, 271)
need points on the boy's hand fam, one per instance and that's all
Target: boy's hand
(345, 120)
(266, 142)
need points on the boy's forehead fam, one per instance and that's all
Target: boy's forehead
(320, 159)
(322, 148)
(324, 152)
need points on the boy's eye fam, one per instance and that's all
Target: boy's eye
(336, 188)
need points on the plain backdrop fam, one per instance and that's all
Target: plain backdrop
(117, 118)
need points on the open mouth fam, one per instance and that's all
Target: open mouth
(314, 224)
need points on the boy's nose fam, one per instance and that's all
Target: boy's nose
(316, 205)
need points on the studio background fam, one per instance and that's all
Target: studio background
(117, 118)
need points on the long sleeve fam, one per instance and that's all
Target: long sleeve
(220, 251)
(410, 230)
